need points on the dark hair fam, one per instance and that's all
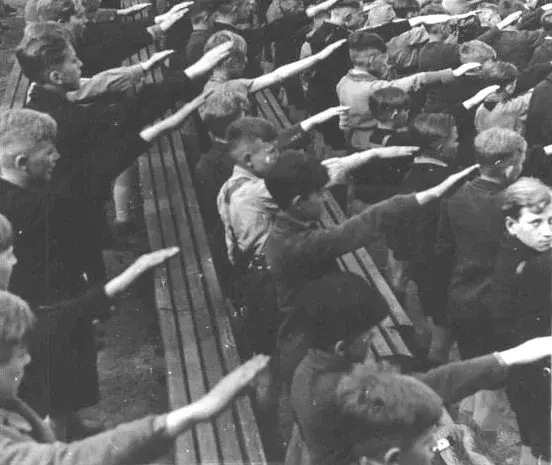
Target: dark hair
(431, 129)
(365, 40)
(295, 173)
(404, 7)
(530, 193)
(546, 22)
(381, 409)
(199, 8)
(55, 10)
(248, 129)
(499, 72)
(44, 45)
(353, 4)
(507, 7)
(383, 102)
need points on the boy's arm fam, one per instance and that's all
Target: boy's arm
(140, 441)
(286, 71)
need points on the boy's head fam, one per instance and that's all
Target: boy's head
(336, 310)
(16, 322)
(202, 14)
(224, 106)
(389, 418)
(444, 32)
(406, 8)
(527, 209)
(47, 56)
(28, 154)
(236, 12)
(504, 74)
(500, 154)
(546, 22)
(436, 134)
(367, 51)
(291, 6)
(251, 144)
(489, 15)
(347, 13)
(380, 13)
(70, 14)
(234, 65)
(507, 7)
(296, 182)
(7, 257)
(390, 105)
(476, 51)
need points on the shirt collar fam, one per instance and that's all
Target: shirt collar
(287, 223)
(241, 172)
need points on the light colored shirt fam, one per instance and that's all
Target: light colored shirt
(245, 207)
(356, 87)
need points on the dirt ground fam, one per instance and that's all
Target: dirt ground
(131, 364)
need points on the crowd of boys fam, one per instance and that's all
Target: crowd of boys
(435, 120)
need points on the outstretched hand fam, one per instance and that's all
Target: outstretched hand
(396, 152)
(528, 352)
(209, 60)
(463, 69)
(173, 10)
(133, 9)
(509, 20)
(170, 19)
(156, 59)
(325, 115)
(453, 179)
(229, 387)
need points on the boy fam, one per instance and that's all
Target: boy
(52, 261)
(26, 439)
(521, 296)
(368, 55)
(297, 249)
(337, 315)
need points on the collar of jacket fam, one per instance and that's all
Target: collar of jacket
(286, 223)
(359, 75)
(486, 185)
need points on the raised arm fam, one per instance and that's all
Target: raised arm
(286, 71)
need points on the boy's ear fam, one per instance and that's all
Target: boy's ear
(296, 201)
(340, 348)
(54, 77)
(392, 455)
(21, 162)
(510, 225)
(247, 157)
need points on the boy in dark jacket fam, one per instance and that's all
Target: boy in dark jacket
(521, 305)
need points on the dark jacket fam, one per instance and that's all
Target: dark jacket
(539, 116)
(314, 402)
(543, 53)
(298, 252)
(516, 46)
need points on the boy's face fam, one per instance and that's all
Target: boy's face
(77, 22)
(11, 373)
(261, 157)
(7, 261)
(68, 74)
(40, 162)
(533, 229)
(401, 118)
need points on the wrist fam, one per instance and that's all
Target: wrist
(500, 359)
(508, 357)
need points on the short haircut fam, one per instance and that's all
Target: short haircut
(44, 46)
(237, 59)
(433, 9)
(16, 322)
(499, 72)
(432, 129)
(476, 51)
(546, 22)
(90, 6)
(497, 148)
(338, 307)
(223, 107)
(404, 7)
(530, 193)
(363, 45)
(347, 4)
(55, 10)
(381, 409)
(383, 102)
(295, 173)
(6, 234)
(31, 13)
(23, 125)
(247, 130)
(201, 7)
(507, 7)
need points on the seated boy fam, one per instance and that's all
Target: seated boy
(521, 293)
(337, 315)
(298, 249)
(51, 258)
(368, 55)
(26, 439)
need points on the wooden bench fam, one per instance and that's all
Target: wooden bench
(16, 89)
(193, 315)
(386, 341)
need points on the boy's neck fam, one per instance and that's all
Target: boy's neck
(491, 179)
(388, 125)
(54, 89)
(15, 179)
(360, 70)
(200, 27)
